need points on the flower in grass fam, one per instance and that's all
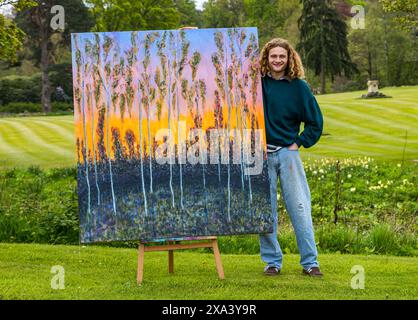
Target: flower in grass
(399, 165)
(349, 176)
(353, 189)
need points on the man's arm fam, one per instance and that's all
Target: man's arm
(313, 120)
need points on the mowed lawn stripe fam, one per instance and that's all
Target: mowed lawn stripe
(10, 154)
(22, 152)
(381, 114)
(377, 118)
(65, 132)
(37, 138)
(331, 124)
(46, 138)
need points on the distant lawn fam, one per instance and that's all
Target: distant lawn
(352, 128)
(110, 273)
(369, 127)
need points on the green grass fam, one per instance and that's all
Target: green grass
(352, 127)
(369, 127)
(94, 272)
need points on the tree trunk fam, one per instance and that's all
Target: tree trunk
(369, 62)
(46, 85)
(322, 75)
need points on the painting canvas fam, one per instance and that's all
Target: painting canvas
(170, 136)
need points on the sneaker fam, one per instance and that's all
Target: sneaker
(271, 271)
(313, 272)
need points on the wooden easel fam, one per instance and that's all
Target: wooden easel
(208, 242)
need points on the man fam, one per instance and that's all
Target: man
(288, 102)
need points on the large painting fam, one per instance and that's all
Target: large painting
(169, 134)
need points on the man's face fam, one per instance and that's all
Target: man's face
(278, 59)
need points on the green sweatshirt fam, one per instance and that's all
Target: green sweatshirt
(288, 103)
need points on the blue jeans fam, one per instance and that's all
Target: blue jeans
(286, 165)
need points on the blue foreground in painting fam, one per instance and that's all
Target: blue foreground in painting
(203, 213)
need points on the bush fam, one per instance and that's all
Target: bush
(28, 88)
(29, 107)
(383, 239)
(20, 89)
(38, 206)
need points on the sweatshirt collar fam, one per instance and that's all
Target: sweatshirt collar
(287, 78)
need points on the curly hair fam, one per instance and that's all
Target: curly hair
(294, 67)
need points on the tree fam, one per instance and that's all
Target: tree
(11, 36)
(270, 16)
(383, 51)
(11, 40)
(135, 39)
(83, 68)
(223, 13)
(148, 92)
(323, 40)
(126, 15)
(180, 63)
(405, 11)
(165, 86)
(188, 14)
(223, 82)
(35, 22)
(108, 55)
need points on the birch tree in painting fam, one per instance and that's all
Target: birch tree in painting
(134, 42)
(165, 88)
(82, 70)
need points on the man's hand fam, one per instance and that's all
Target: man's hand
(293, 146)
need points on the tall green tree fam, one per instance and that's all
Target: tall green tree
(44, 40)
(323, 41)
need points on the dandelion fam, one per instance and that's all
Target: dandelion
(353, 189)
(399, 165)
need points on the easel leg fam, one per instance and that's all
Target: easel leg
(170, 260)
(140, 274)
(218, 260)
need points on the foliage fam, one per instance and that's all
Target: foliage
(20, 89)
(11, 39)
(38, 206)
(405, 11)
(30, 107)
(382, 51)
(27, 88)
(126, 15)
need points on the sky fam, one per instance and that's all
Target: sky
(199, 4)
